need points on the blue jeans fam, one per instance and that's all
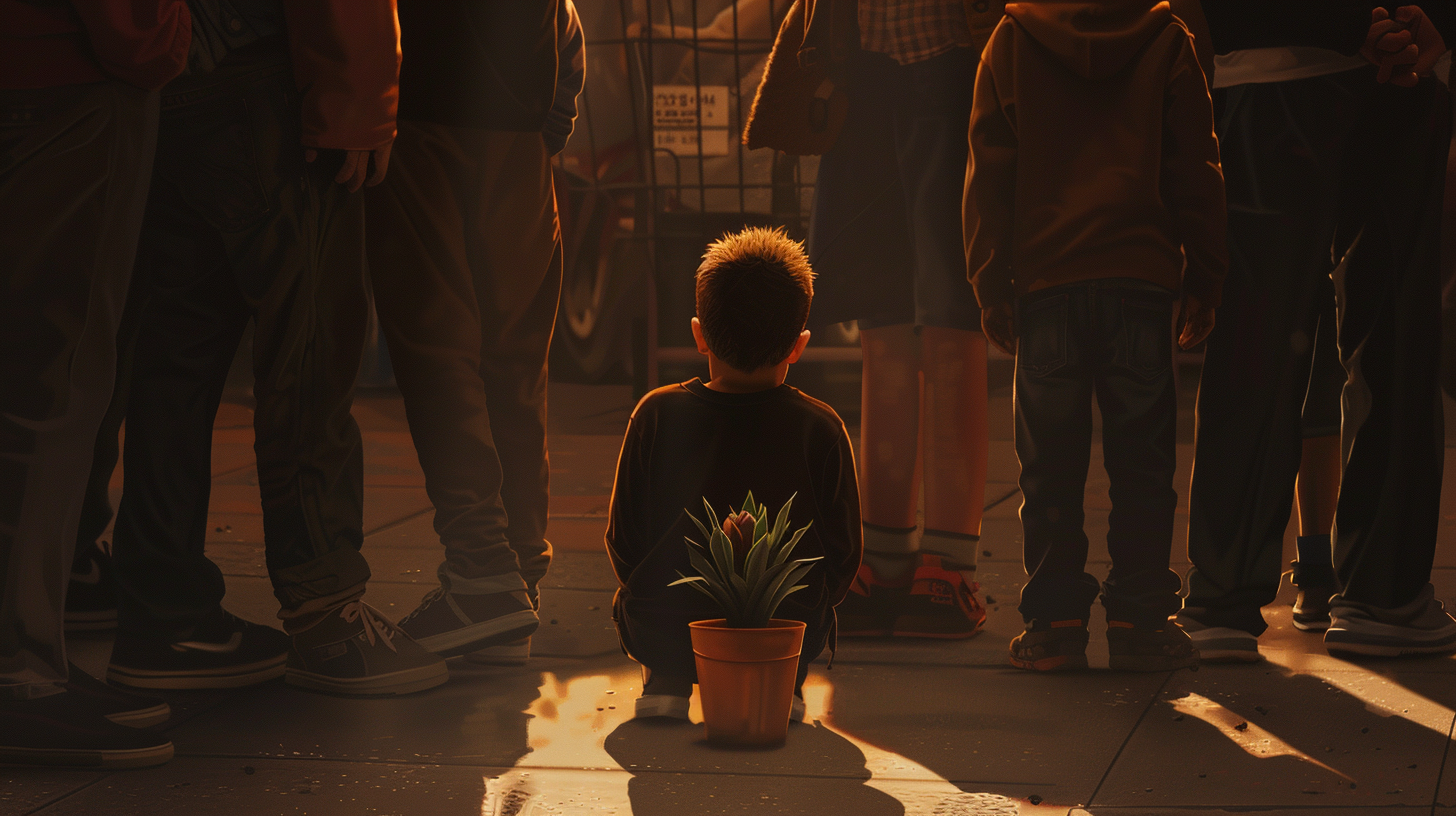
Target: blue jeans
(1111, 339)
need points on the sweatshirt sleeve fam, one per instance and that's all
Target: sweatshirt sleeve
(627, 526)
(990, 193)
(570, 78)
(142, 42)
(842, 536)
(346, 61)
(1192, 179)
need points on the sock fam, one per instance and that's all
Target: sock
(891, 551)
(961, 550)
(1314, 551)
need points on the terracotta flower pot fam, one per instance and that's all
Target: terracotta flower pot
(746, 677)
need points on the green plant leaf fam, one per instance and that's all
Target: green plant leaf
(750, 505)
(757, 561)
(712, 584)
(781, 524)
(687, 579)
(702, 528)
(783, 554)
(772, 577)
(722, 550)
(780, 589)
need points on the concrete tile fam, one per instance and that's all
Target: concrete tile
(584, 464)
(581, 570)
(191, 785)
(982, 728)
(576, 623)
(1214, 811)
(24, 790)
(479, 718)
(1253, 736)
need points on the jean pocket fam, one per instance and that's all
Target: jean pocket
(1041, 346)
(1145, 345)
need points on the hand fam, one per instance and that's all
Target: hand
(1196, 320)
(1405, 48)
(356, 166)
(999, 325)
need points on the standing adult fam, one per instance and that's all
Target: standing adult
(885, 237)
(78, 129)
(1333, 173)
(254, 215)
(465, 256)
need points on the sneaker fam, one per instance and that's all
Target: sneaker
(871, 606)
(661, 705)
(121, 707)
(1422, 627)
(1221, 644)
(222, 652)
(68, 729)
(91, 592)
(1312, 605)
(1136, 648)
(450, 624)
(1054, 646)
(515, 653)
(357, 651)
(940, 604)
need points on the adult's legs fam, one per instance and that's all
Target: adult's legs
(1281, 145)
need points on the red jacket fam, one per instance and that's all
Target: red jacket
(346, 62)
(143, 42)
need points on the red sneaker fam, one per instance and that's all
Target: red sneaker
(940, 604)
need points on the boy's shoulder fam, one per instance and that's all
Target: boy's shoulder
(693, 396)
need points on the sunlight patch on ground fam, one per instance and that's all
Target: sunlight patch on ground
(1381, 696)
(1255, 741)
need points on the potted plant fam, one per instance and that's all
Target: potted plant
(747, 660)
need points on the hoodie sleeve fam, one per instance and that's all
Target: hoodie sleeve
(627, 518)
(990, 194)
(1192, 182)
(842, 534)
(346, 61)
(143, 42)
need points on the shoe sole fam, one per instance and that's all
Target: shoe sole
(1312, 625)
(506, 654)
(219, 678)
(476, 636)
(405, 681)
(1229, 655)
(910, 632)
(91, 621)
(112, 760)
(142, 717)
(1385, 650)
(1057, 663)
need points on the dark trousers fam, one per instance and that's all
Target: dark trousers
(240, 227)
(1332, 176)
(465, 257)
(1110, 340)
(74, 167)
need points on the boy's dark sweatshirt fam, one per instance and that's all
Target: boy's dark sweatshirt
(686, 442)
(1093, 154)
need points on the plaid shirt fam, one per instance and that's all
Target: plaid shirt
(913, 30)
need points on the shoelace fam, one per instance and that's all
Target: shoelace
(434, 595)
(374, 625)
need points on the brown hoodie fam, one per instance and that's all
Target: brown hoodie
(1092, 154)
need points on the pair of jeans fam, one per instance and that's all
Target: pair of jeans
(465, 258)
(75, 163)
(1109, 340)
(239, 226)
(1331, 177)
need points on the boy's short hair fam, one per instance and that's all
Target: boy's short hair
(753, 293)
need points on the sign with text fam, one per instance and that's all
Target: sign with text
(680, 113)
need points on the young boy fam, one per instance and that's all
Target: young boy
(743, 430)
(1094, 177)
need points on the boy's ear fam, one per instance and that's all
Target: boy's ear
(799, 347)
(698, 337)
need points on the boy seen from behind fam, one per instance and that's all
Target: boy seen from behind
(1094, 176)
(743, 430)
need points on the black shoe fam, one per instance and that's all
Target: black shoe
(1053, 646)
(121, 707)
(68, 729)
(354, 650)
(91, 592)
(1141, 648)
(222, 652)
(1317, 584)
(450, 624)
(870, 607)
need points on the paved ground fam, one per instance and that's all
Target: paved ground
(897, 727)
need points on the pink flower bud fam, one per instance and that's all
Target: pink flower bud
(739, 529)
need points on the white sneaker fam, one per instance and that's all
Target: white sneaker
(661, 705)
(1421, 627)
(1220, 644)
